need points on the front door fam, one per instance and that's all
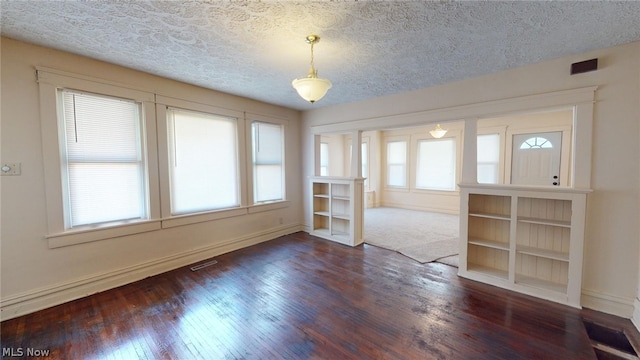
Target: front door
(536, 158)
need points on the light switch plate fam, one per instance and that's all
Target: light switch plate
(10, 169)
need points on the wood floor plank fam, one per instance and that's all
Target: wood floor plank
(300, 297)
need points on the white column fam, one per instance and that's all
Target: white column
(356, 154)
(582, 138)
(469, 152)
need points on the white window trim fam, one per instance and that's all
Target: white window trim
(169, 220)
(277, 204)
(456, 135)
(156, 156)
(49, 81)
(456, 156)
(502, 134)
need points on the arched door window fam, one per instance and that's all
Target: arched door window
(536, 142)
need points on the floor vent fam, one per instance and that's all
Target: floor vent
(610, 344)
(203, 265)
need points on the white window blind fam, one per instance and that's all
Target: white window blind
(203, 155)
(324, 159)
(436, 164)
(102, 163)
(397, 163)
(268, 164)
(488, 158)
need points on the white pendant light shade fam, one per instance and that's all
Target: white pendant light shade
(311, 89)
(438, 132)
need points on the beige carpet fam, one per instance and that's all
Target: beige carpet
(422, 236)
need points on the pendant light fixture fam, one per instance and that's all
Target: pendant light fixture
(438, 132)
(311, 88)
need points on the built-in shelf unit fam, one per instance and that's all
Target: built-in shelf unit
(526, 239)
(338, 209)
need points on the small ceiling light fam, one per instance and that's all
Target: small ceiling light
(312, 88)
(438, 132)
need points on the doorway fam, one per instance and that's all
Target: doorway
(536, 158)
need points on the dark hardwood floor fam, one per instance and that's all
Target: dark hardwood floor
(300, 297)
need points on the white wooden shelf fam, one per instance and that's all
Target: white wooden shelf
(540, 283)
(489, 244)
(538, 253)
(338, 202)
(491, 216)
(489, 271)
(341, 198)
(550, 222)
(544, 253)
(342, 216)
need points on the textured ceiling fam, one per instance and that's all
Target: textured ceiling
(367, 49)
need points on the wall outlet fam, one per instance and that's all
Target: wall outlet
(10, 169)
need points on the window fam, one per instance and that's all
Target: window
(436, 164)
(324, 159)
(397, 163)
(103, 172)
(536, 143)
(203, 161)
(488, 158)
(268, 164)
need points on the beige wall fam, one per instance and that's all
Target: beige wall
(612, 232)
(442, 201)
(34, 276)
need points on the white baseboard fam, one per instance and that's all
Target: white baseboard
(42, 298)
(615, 305)
(636, 313)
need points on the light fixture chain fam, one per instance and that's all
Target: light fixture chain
(312, 67)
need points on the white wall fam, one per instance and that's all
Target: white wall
(33, 276)
(610, 278)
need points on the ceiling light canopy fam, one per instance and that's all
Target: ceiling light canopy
(438, 132)
(312, 88)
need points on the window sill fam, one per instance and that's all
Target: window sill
(269, 206)
(80, 236)
(437, 192)
(396, 189)
(187, 219)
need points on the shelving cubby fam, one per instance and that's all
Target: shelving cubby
(524, 239)
(338, 209)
